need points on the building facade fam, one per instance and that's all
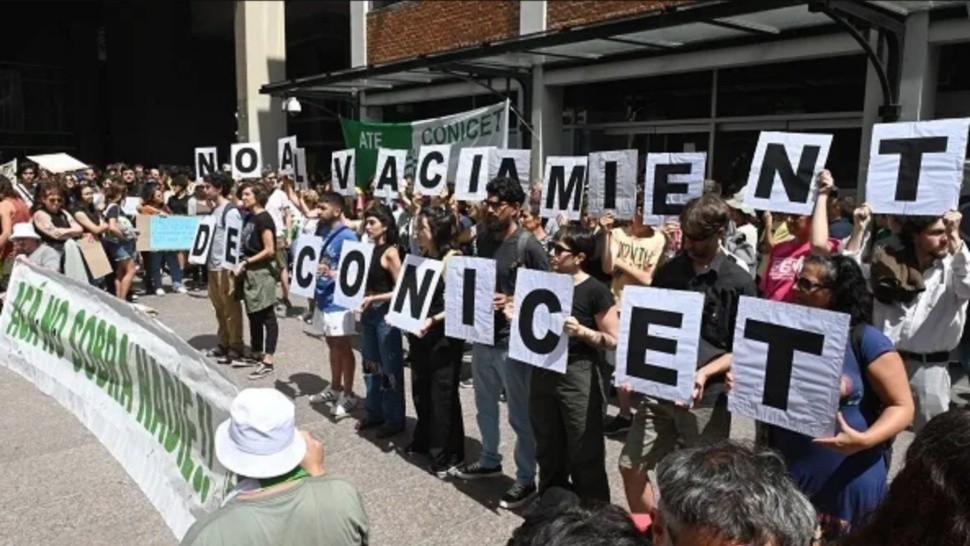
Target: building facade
(656, 76)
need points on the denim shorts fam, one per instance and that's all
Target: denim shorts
(120, 251)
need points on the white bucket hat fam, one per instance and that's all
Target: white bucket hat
(260, 440)
(24, 230)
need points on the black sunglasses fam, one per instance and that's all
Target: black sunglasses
(559, 249)
(807, 285)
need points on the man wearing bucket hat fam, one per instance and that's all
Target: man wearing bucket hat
(27, 243)
(283, 495)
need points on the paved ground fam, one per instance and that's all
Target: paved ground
(62, 486)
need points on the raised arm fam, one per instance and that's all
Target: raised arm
(820, 217)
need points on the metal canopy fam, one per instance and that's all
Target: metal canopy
(697, 25)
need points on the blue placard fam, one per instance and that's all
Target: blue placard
(172, 232)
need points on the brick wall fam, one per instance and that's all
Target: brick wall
(416, 27)
(563, 13)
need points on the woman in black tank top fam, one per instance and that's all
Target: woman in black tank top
(380, 343)
(54, 225)
(435, 370)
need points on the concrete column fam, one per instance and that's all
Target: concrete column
(917, 86)
(260, 36)
(546, 120)
(532, 16)
(358, 32)
(870, 115)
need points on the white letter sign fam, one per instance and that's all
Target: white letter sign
(411, 301)
(352, 275)
(474, 167)
(656, 353)
(783, 171)
(306, 256)
(469, 290)
(515, 164)
(917, 168)
(205, 163)
(612, 184)
(432, 174)
(344, 172)
(563, 186)
(543, 300)
(787, 365)
(672, 180)
(390, 172)
(202, 243)
(233, 241)
(286, 148)
(246, 160)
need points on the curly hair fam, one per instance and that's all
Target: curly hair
(850, 292)
(928, 501)
(506, 189)
(911, 226)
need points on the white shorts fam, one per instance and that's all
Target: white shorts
(335, 323)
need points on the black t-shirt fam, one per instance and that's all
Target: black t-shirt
(594, 264)
(92, 213)
(179, 205)
(252, 234)
(590, 298)
(722, 284)
(505, 254)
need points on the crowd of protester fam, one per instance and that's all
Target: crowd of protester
(904, 282)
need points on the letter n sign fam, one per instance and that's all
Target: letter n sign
(656, 353)
(783, 171)
(787, 365)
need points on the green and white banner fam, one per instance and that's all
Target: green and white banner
(146, 394)
(487, 126)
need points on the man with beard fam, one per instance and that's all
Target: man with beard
(336, 322)
(512, 247)
(921, 285)
(660, 426)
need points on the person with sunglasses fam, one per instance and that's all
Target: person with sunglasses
(845, 475)
(660, 426)
(54, 225)
(566, 408)
(810, 235)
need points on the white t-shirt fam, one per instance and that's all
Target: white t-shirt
(276, 206)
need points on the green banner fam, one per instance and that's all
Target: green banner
(367, 137)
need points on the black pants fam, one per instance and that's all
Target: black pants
(264, 318)
(567, 420)
(435, 370)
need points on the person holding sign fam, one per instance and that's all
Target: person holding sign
(501, 239)
(631, 255)
(153, 203)
(659, 426)
(845, 475)
(566, 408)
(810, 236)
(259, 274)
(337, 323)
(380, 343)
(222, 286)
(440, 430)
(921, 284)
(119, 240)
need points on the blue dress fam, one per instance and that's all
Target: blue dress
(843, 489)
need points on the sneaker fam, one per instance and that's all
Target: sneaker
(181, 290)
(442, 472)
(261, 371)
(345, 404)
(476, 471)
(517, 495)
(159, 292)
(467, 384)
(132, 296)
(327, 396)
(618, 425)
